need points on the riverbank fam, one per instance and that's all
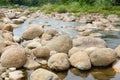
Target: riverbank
(46, 43)
(77, 9)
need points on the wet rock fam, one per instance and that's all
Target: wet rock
(77, 72)
(32, 32)
(103, 74)
(61, 43)
(86, 42)
(41, 52)
(59, 62)
(16, 75)
(13, 57)
(80, 60)
(42, 74)
(117, 49)
(31, 64)
(103, 56)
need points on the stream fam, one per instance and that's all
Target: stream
(112, 39)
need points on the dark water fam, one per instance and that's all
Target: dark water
(112, 39)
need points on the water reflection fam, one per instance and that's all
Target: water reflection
(94, 74)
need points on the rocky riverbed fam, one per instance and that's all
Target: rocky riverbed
(38, 46)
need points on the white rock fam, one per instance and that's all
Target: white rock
(16, 75)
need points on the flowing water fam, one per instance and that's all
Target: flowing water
(112, 39)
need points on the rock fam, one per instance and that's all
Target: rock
(95, 35)
(90, 50)
(2, 69)
(2, 15)
(42, 74)
(8, 27)
(12, 69)
(73, 50)
(86, 42)
(4, 75)
(52, 53)
(59, 62)
(23, 18)
(31, 64)
(13, 57)
(46, 36)
(11, 15)
(2, 46)
(117, 49)
(7, 20)
(32, 32)
(41, 52)
(51, 32)
(113, 17)
(116, 65)
(33, 44)
(61, 43)
(102, 73)
(18, 21)
(8, 36)
(16, 39)
(80, 60)
(2, 25)
(103, 56)
(16, 75)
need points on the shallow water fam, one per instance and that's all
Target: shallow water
(112, 39)
(54, 24)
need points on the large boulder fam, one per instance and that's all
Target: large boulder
(13, 57)
(42, 74)
(61, 43)
(103, 56)
(80, 60)
(59, 61)
(41, 52)
(32, 32)
(117, 49)
(86, 42)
